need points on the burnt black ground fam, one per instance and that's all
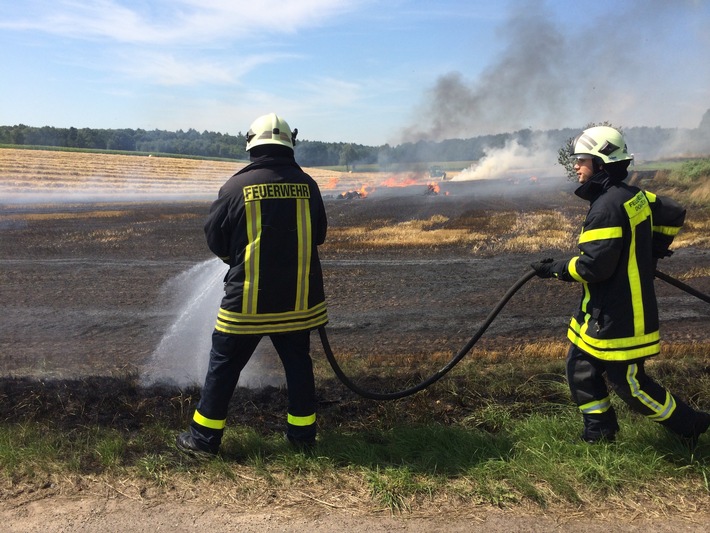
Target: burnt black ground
(85, 296)
(83, 286)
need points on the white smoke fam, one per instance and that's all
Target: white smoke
(515, 160)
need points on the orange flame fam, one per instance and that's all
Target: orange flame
(433, 187)
(332, 183)
(399, 181)
(362, 192)
(365, 190)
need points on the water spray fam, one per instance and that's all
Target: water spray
(181, 357)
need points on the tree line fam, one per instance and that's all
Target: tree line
(190, 142)
(211, 144)
(649, 141)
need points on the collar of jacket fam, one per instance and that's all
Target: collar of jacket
(269, 161)
(594, 187)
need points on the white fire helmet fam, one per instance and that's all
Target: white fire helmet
(270, 129)
(603, 142)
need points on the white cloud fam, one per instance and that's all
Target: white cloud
(171, 22)
(170, 70)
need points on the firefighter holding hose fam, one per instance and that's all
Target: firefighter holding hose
(626, 231)
(266, 225)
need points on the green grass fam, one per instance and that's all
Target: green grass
(495, 433)
(674, 165)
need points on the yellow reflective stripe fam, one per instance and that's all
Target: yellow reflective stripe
(660, 412)
(596, 407)
(624, 342)
(634, 276)
(208, 422)
(271, 328)
(302, 420)
(251, 257)
(572, 269)
(620, 354)
(639, 211)
(667, 410)
(303, 230)
(599, 234)
(671, 231)
(585, 299)
(613, 349)
(240, 324)
(233, 316)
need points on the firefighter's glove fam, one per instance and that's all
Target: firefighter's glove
(543, 268)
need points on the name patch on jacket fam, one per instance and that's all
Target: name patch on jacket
(268, 191)
(637, 204)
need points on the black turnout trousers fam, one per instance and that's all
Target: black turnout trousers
(628, 379)
(228, 357)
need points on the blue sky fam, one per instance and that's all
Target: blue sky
(363, 71)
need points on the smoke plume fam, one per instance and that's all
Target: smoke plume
(557, 73)
(515, 160)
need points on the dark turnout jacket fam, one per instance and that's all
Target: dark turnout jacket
(625, 232)
(266, 224)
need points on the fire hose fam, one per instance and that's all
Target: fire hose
(469, 345)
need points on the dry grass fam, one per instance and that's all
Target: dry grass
(72, 215)
(537, 231)
(417, 233)
(696, 272)
(56, 173)
(696, 231)
(493, 232)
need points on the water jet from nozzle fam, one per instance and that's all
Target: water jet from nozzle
(182, 356)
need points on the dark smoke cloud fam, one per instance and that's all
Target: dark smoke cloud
(556, 73)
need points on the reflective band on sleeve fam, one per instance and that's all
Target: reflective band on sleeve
(600, 233)
(302, 420)
(208, 422)
(572, 269)
(671, 231)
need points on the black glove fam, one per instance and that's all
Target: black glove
(543, 268)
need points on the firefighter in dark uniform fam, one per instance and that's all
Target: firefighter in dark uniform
(266, 225)
(616, 327)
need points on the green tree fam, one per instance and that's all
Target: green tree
(348, 155)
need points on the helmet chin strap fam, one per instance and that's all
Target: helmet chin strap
(597, 165)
